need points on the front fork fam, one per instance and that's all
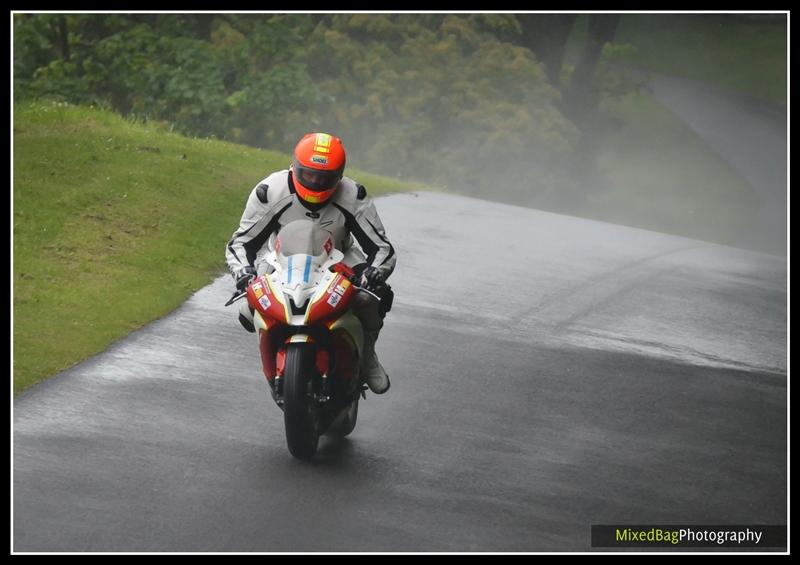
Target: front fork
(322, 395)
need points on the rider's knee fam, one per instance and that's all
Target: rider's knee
(367, 311)
(246, 317)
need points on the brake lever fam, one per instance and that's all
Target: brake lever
(375, 296)
(236, 297)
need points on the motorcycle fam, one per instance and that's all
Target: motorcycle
(311, 342)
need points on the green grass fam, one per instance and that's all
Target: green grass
(657, 174)
(735, 52)
(116, 224)
(743, 54)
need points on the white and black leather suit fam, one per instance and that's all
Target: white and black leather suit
(349, 215)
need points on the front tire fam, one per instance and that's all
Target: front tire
(299, 412)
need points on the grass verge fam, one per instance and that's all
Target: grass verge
(116, 224)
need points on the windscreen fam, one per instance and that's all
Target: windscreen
(303, 237)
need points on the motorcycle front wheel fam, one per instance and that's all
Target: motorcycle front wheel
(299, 412)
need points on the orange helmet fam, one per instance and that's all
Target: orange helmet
(317, 167)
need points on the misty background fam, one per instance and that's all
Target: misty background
(669, 122)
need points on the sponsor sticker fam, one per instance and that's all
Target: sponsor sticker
(258, 290)
(340, 288)
(334, 299)
(334, 283)
(319, 159)
(265, 303)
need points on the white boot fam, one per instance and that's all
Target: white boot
(374, 373)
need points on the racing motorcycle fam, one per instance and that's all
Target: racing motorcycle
(311, 342)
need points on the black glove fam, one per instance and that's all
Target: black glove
(372, 279)
(243, 280)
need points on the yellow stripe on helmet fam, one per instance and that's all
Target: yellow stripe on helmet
(322, 144)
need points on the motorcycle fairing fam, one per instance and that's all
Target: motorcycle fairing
(329, 300)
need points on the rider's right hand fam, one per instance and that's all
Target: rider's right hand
(245, 276)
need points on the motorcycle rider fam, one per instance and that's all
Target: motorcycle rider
(314, 188)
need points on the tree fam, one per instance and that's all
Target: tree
(580, 100)
(546, 35)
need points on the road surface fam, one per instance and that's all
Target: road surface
(548, 373)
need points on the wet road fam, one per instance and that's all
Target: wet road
(548, 373)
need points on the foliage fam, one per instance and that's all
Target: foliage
(615, 78)
(459, 105)
(460, 101)
(745, 53)
(447, 98)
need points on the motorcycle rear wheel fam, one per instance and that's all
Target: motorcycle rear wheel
(299, 411)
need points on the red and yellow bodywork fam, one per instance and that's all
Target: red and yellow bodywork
(328, 308)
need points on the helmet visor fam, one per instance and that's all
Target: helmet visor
(316, 180)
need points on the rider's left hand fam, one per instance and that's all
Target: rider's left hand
(247, 274)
